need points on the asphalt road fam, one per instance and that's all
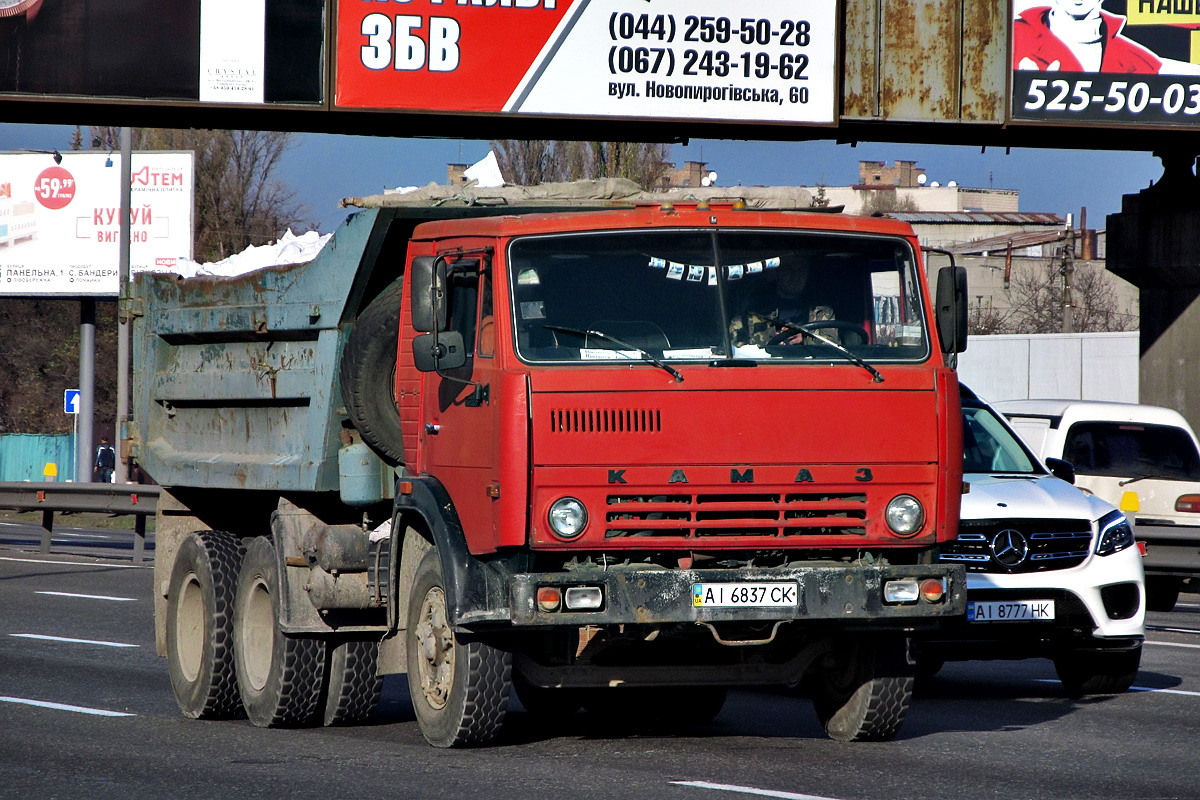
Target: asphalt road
(86, 711)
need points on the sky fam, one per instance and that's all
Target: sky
(324, 168)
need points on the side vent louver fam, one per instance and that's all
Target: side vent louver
(605, 420)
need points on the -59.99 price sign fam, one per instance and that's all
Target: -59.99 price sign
(771, 60)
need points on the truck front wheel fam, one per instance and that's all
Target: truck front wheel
(200, 625)
(279, 676)
(863, 692)
(1162, 593)
(458, 684)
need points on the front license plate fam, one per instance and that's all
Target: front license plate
(745, 595)
(1010, 611)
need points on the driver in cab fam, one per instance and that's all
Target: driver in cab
(788, 304)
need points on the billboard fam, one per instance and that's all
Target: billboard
(60, 221)
(767, 61)
(189, 51)
(1106, 61)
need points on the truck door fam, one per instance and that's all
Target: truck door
(460, 407)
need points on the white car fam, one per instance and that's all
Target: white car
(1143, 459)
(1052, 571)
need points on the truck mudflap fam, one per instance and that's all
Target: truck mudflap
(851, 593)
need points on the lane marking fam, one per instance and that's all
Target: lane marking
(1140, 689)
(726, 787)
(77, 563)
(84, 535)
(99, 712)
(1175, 644)
(70, 641)
(90, 596)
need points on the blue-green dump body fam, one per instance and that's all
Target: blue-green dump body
(236, 379)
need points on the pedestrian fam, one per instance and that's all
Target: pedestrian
(106, 461)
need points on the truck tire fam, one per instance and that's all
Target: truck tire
(279, 676)
(368, 375)
(864, 695)
(200, 625)
(1162, 593)
(458, 684)
(1085, 672)
(355, 685)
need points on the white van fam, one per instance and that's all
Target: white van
(1143, 459)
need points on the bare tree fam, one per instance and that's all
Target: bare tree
(1036, 297)
(530, 162)
(882, 201)
(239, 200)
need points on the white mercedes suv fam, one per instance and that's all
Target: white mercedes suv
(1052, 571)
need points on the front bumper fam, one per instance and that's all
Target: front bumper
(841, 593)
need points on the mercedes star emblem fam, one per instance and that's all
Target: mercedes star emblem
(1009, 547)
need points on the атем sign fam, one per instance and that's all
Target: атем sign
(60, 223)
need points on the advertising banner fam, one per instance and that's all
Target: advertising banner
(1106, 61)
(767, 61)
(60, 222)
(187, 51)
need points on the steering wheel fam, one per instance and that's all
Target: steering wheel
(838, 324)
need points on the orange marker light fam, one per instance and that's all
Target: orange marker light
(549, 598)
(932, 590)
(1188, 503)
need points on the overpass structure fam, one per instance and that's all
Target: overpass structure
(1090, 74)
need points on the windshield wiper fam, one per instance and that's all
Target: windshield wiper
(1148, 478)
(601, 334)
(835, 345)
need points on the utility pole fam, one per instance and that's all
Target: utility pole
(1068, 269)
(121, 468)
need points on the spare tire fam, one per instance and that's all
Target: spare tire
(368, 375)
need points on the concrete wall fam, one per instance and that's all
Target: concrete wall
(1078, 366)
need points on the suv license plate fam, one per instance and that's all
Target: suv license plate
(745, 595)
(1010, 611)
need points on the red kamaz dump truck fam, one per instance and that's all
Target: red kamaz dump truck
(617, 450)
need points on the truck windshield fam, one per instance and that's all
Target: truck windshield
(700, 295)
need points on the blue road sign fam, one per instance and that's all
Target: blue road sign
(70, 401)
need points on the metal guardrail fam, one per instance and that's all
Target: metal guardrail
(101, 498)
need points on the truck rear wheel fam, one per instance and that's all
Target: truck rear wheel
(458, 684)
(1085, 672)
(200, 625)
(279, 676)
(865, 693)
(368, 375)
(355, 685)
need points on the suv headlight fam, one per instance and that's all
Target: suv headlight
(1116, 534)
(567, 517)
(904, 514)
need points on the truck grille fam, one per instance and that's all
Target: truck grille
(1019, 545)
(714, 515)
(605, 420)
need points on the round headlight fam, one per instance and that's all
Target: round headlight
(905, 515)
(567, 518)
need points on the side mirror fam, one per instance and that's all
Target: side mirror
(441, 352)
(952, 308)
(1063, 470)
(427, 288)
